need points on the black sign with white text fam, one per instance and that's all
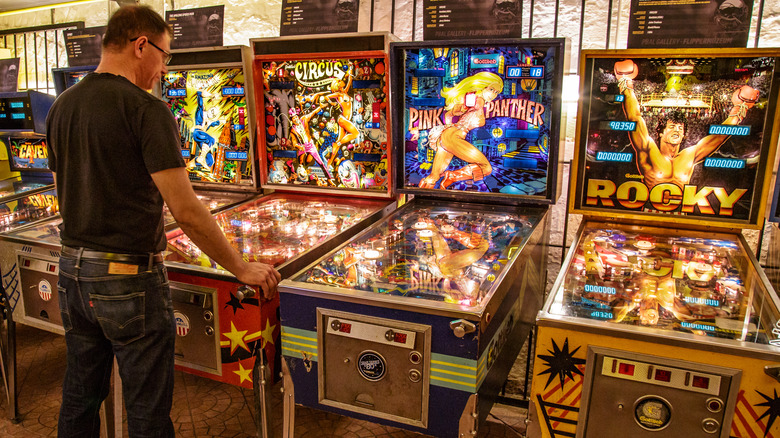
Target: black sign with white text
(456, 19)
(201, 27)
(306, 17)
(84, 45)
(689, 23)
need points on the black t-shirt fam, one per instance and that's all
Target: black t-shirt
(106, 137)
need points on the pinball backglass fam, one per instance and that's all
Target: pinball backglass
(684, 138)
(210, 106)
(479, 118)
(326, 121)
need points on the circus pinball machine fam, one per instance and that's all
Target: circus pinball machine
(661, 322)
(416, 321)
(335, 188)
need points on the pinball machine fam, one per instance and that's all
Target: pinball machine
(27, 191)
(328, 183)
(27, 195)
(210, 93)
(662, 322)
(66, 77)
(416, 321)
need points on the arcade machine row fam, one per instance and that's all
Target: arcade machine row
(30, 254)
(329, 182)
(661, 321)
(416, 321)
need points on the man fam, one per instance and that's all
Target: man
(664, 162)
(115, 152)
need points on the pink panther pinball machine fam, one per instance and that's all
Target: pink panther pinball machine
(416, 321)
(662, 322)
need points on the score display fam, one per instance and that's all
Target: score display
(525, 72)
(15, 113)
(618, 125)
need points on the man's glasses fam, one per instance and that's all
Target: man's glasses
(168, 55)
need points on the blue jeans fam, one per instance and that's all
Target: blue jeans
(127, 316)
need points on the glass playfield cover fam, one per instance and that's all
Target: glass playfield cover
(439, 253)
(27, 209)
(275, 228)
(665, 279)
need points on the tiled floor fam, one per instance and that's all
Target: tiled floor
(201, 408)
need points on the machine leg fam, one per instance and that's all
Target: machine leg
(288, 390)
(261, 380)
(8, 358)
(468, 419)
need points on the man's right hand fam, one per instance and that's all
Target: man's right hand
(262, 275)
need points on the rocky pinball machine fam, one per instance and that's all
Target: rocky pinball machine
(416, 321)
(228, 332)
(662, 322)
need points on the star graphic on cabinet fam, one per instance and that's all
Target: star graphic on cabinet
(234, 302)
(236, 338)
(243, 374)
(268, 333)
(772, 410)
(266, 336)
(561, 363)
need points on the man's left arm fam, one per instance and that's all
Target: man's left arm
(196, 221)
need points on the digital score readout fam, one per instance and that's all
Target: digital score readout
(176, 92)
(618, 125)
(15, 114)
(525, 72)
(232, 91)
(615, 98)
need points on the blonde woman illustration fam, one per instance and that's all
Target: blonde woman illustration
(347, 130)
(465, 100)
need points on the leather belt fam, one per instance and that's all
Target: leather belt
(136, 259)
